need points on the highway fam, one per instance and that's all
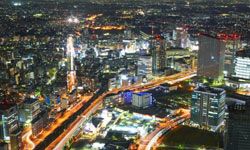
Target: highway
(61, 140)
(154, 83)
(30, 142)
(147, 142)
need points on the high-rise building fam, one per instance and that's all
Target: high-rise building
(208, 106)
(9, 127)
(40, 122)
(237, 134)
(144, 66)
(211, 56)
(16, 140)
(181, 40)
(159, 55)
(233, 44)
(71, 74)
(242, 65)
(29, 110)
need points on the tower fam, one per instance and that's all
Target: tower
(159, 55)
(211, 56)
(208, 106)
(71, 73)
(233, 44)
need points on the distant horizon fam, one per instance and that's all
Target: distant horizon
(128, 1)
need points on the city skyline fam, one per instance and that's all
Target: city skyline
(124, 74)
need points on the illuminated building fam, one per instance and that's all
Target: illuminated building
(144, 66)
(159, 57)
(112, 83)
(9, 127)
(29, 110)
(211, 56)
(64, 103)
(208, 106)
(242, 65)
(142, 99)
(233, 44)
(71, 75)
(237, 135)
(181, 37)
(127, 97)
(16, 140)
(39, 123)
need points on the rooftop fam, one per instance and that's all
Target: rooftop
(222, 36)
(239, 109)
(143, 93)
(244, 53)
(209, 89)
(30, 100)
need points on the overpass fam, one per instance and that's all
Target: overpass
(147, 142)
(91, 106)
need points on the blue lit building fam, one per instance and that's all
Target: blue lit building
(127, 97)
(208, 106)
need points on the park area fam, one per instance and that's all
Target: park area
(184, 137)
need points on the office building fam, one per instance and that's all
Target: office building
(233, 44)
(112, 84)
(127, 97)
(159, 56)
(242, 65)
(39, 123)
(211, 56)
(9, 126)
(16, 140)
(144, 66)
(208, 107)
(237, 134)
(142, 99)
(182, 40)
(29, 110)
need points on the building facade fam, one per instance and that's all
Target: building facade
(237, 135)
(40, 122)
(9, 121)
(144, 66)
(29, 110)
(159, 56)
(211, 56)
(208, 107)
(9, 126)
(142, 99)
(233, 44)
(242, 65)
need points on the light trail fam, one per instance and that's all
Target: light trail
(154, 83)
(30, 144)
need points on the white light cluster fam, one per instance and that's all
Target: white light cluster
(73, 20)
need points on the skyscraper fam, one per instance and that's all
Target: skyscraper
(233, 44)
(71, 74)
(9, 126)
(211, 56)
(237, 135)
(9, 121)
(159, 55)
(144, 65)
(208, 106)
(242, 65)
